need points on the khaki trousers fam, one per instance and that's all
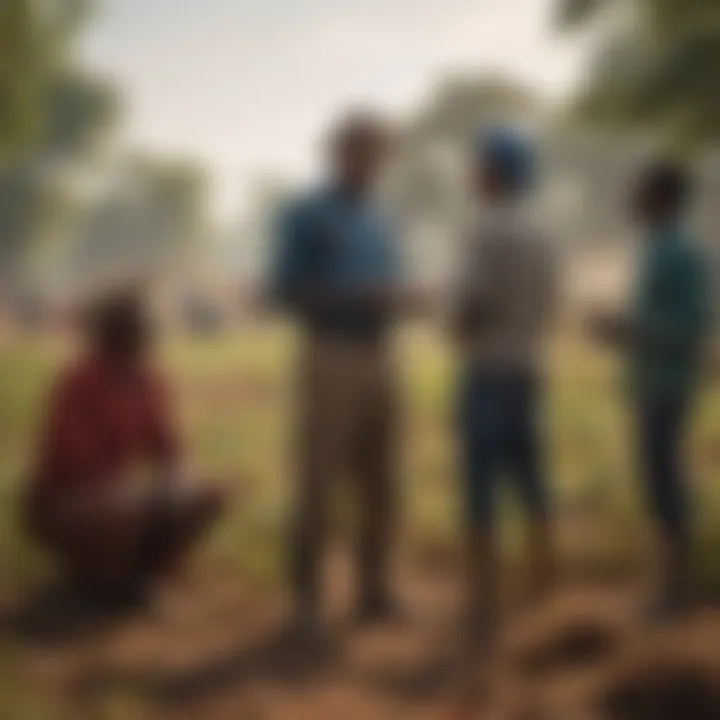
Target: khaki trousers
(347, 424)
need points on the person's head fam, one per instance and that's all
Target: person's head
(504, 163)
(358, 149)
(119, 328)
(662, 192)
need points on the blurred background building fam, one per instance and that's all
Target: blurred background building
(79, 208)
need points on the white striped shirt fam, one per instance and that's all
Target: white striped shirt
(508, 267)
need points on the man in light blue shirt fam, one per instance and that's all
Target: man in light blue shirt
(337, 257)
(336, 272)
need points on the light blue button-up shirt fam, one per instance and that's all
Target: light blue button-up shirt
(332, 241)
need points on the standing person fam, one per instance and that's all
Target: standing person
(109, 499)
(664, 337)
(337, 272)
(504, 303)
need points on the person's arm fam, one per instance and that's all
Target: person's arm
(392, 293)
(471, 315)
(615, 329)
(165, 447)
(288, 265)
(473, 295)
(66, 448)
(675, 310)
(550, 292)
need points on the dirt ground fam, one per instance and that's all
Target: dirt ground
(210, 649)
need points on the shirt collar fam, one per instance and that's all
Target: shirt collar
(337, 193)
(105, 370)
(669, 230)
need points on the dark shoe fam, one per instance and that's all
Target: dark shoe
(379, 610)
(666, 608)
(305, 629)
(118, 602)
(304, 645)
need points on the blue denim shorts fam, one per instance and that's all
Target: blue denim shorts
(499, 430)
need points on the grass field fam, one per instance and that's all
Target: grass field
(234, 395)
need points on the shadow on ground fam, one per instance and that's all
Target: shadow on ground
(55, 616)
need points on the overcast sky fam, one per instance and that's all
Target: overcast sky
(248, 85)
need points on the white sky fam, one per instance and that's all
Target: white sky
(248, 85)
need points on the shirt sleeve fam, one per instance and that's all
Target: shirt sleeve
(395, 271)
(477, 276)
(550, 290)
(164, 438)
(289, 266)
(66, 452)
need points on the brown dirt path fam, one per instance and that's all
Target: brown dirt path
(211, 650)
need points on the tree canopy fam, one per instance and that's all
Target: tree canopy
(657, 66)
(45, 103)
(50, 110)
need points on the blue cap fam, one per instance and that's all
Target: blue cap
(512, 152)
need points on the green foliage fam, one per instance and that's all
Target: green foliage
(34, 42)
(22, 68)
(49, 111)
(657, 68)
(145, 227)
(21, 204)
(575, 12)
(76, 109)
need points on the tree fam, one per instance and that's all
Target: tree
(51, 112)
(35, 39)
(148, 224)
(657, 68)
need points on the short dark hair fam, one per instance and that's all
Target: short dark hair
(668, 183)
(117, 324)
(358, 125)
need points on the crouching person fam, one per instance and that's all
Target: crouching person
(108, 499)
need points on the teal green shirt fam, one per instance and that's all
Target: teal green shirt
(672, 313)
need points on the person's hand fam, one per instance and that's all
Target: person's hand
(610, 328)
(414, 301)
(469, 321)
(387, 297)
(711, 361)
(178, 482)
(380, 296)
